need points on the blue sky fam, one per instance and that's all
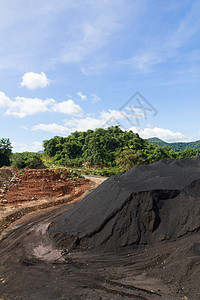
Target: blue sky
(72, 65)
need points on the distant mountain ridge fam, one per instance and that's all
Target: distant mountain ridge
(175, 146)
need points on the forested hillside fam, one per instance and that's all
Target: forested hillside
(176, 146)
(110, 147)
(110, 150)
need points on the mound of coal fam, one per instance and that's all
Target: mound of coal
(147, 204)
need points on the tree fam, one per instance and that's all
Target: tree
(26, 160)
(5, 152)
(128, 158)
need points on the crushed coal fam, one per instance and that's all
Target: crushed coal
(146, 205)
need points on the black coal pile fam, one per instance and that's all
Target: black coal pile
(146, 205)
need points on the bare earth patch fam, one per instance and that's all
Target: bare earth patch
(31, 190)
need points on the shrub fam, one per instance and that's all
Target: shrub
(26, 160)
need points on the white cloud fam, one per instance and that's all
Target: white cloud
(92, 123)
(68, 107)
(22, 147)
(109, 118)
(115, 114)
(112, 117)
(95, 98)
(54, 128)
(80, 124)
(21, 106)
(36, 146)
(80, 94)
(95, 68)
(25, 127)
(4, 100)
(166, 135)
(33, 81)
(121, 116)
(84, 124)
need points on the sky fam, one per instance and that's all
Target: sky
(70, 65)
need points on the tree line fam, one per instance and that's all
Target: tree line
(19, 160)
(111, 147)
(177, 146)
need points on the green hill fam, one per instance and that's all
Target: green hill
(158, 142)
(175, 146)
(109, 148)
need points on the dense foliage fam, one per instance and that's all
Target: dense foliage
(109, 148)
(5, 152)
(26, 160)
(176, 146)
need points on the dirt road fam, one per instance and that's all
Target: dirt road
(31, 268)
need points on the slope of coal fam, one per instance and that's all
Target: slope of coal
(147, 204)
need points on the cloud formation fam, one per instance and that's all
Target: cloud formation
(54, 128)
(33, 81)
(80, 94)
(80, 124)
(95, 98)
(67, 107)
(105, 119)
(166, 135)
(21, 106)
(32, 147)
(112, 117)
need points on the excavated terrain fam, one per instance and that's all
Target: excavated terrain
(136, 236)
(36, 184)
(27, 190)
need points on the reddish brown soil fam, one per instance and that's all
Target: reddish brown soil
(42, 184)
(24, 192)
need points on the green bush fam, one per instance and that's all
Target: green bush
(110, 172)
(80, 176)
(26, 160)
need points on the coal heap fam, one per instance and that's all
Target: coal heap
(146, 205)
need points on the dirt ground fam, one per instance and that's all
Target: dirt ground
(32, 268)
(30, 190)
(39, 184)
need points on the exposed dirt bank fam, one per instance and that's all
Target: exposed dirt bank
(26, 191)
